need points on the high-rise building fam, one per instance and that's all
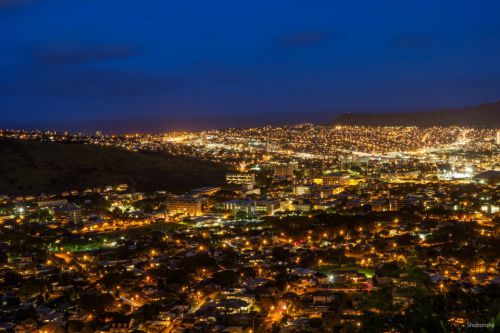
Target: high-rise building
(203, 138)
(283, 170)
(328, 190)
(267, 206)
(498, 137)
(336, 178)
(301, 189)
(240, 178)
(185, 205)
(68, 213)
(52, 203)
(247, 206)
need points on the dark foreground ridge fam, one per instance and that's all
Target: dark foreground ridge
(30, 167)
(485, 115)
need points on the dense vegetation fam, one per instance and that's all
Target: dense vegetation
(29, 167)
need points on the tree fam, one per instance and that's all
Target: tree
(94, 302)
(390, 269)
(12, 279)
(148, 311)
(280, 253)
(74, 326)
(113, 279)
(241, 215)
(3, 258)
(316, 323)
(226, 278)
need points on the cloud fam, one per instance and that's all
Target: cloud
(303, 39)
(75, 83)
(222, 74)
(80, 54)
(7, 4)
(414, 41)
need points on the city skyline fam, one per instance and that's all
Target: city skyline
(279, 229)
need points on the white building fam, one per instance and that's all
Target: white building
(240, 178)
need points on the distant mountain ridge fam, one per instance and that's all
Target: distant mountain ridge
(485, 115)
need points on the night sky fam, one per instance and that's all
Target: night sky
(120, 65)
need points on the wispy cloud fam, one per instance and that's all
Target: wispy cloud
(303, 39)
(414, 41)
(81, 54)
(72, 83)
(6, 4)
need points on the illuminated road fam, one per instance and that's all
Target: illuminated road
(130, 302)
(202, 302)
(274, 316)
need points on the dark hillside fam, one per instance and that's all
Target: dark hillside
(32, 167)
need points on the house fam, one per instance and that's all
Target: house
(26, 326)
(68, 213)
(233, 305)
(322, 297)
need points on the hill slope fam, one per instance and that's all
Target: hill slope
(485, 115)
(29, 167)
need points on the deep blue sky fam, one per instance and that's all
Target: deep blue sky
(123, 65)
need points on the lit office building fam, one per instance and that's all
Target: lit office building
(185, 205)
(337, 178)
(68, 213)
(240, 178)
(283, 170)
